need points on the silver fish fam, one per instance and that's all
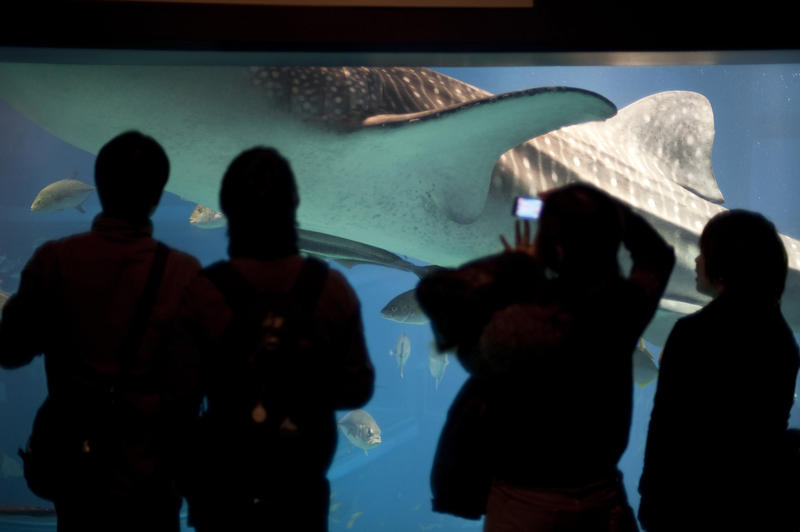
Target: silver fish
(405, 308)
(401, 352)
(361, 429)
(437, 363)
(64, 194)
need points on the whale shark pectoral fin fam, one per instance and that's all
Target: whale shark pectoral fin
(463, 142)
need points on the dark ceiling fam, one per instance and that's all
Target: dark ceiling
(550, 27)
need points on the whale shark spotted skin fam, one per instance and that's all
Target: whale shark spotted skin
(404, 159)
(409, 180)
(654, 155)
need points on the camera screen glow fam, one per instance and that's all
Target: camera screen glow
(528, 208)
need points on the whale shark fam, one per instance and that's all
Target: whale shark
(654, 155)
(394, 157)
(405, 159)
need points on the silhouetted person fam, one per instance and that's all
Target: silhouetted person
(548, 331)
(718, 453)
(80, 303)
(268, 433)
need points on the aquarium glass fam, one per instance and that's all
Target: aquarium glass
(406, 185)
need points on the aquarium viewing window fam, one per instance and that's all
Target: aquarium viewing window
(415, 155)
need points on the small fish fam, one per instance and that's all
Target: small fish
(437, 363)
(361, 429)
(207, 218)
(64, 194)
(9, 467)
(645, 370)
(405, 308)
(401, 352)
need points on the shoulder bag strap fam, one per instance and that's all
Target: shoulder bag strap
(146, 303)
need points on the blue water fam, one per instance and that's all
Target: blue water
(756, 156)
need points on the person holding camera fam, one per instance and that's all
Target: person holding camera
(547, 329)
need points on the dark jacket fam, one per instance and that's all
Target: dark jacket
(75, 304)
(716, 446)
(558, 353)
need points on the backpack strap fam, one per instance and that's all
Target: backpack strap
(236, 290)
(308, 287)
(146, 304)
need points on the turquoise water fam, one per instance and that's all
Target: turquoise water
(755, 158)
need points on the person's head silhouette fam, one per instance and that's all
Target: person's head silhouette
(579, 232)
(741, 252)
(130, 173)
(259, 198)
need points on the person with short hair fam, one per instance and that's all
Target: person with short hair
(266, 438)
(718, 454)
(78, 302)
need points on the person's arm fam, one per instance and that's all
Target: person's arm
(192, 338)
(356, 375)
(23, 325)
(653, 258)
(352, 376)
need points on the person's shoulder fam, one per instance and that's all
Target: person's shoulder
(337, 285)
(699, 324)
(185, 259)
(338, 300)
(201, 292)
(503, 259)
(64, 246)
(507, 266)
(67, 241)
